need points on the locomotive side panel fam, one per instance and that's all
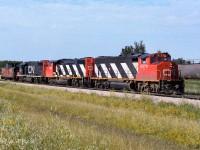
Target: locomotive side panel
(116, 67)
(31, 69)
(71, 67)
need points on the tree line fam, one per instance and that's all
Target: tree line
(5, 62)
(138, 47)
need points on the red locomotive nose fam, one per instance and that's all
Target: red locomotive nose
(168, 71)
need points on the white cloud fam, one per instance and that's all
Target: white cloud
(99, 23)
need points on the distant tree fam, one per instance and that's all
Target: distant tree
(127, 50)
(188, 62)
(179, 61)
(139, 47)
(4, 62)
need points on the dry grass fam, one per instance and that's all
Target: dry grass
(108, 122)
(192, 86)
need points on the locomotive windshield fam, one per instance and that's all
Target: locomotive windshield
(160, 57)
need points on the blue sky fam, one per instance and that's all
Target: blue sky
(55, 29)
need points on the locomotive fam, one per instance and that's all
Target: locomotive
(153, 73)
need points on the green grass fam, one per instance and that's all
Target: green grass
(18, 132)
(104, 122)
(192, 86)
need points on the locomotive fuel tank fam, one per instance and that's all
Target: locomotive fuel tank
(121, 85)
(64, 81)
(189, 71)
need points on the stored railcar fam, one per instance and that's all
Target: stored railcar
(190, 71)
(10, 71)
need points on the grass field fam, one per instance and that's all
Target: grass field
(35, 118)
(192, 86)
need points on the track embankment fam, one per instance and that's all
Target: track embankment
(176, 100)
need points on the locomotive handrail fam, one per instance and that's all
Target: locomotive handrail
(179, 73)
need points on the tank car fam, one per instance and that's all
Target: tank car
(190, 71)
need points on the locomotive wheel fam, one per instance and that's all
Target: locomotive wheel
(157, 89)
(168, 89)
(77, 83)
(98, 85)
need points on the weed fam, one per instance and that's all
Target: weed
(179, 124)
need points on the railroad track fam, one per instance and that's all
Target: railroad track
(184, 96)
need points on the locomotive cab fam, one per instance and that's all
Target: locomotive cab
(166, 69)
(157, 66)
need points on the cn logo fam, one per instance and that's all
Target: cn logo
(31, 69)
(90, 68)
(167, 72)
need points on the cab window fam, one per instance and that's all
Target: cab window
(144, 61)
(153, 59)
(160, 58)
(167, 59)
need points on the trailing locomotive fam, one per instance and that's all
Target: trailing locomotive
(141, 72)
